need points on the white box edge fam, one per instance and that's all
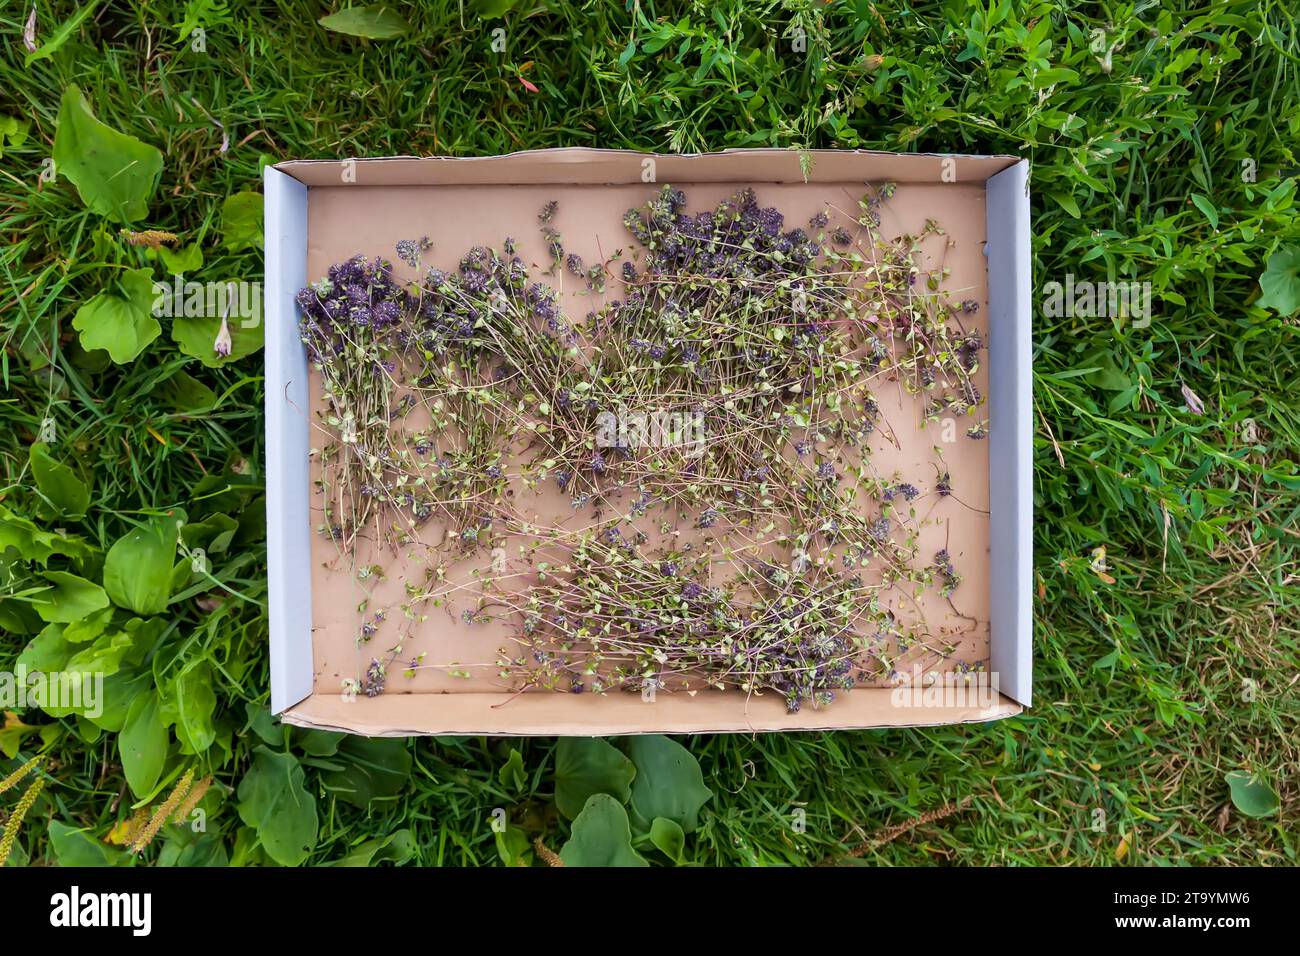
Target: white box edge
(288, 516)
(1011, 432)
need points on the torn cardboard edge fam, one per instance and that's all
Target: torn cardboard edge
(289, 524)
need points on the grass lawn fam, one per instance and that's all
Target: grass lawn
(1163, 140)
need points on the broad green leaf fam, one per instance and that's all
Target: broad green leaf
(138, 568)
(61, 36)
(70, 599)
(13, 132)
(1251, 794)
(375, 21)
(369, 768)
(119, 692)
(34, 544)
(194, 705)
(120, 323)
(185, 393)
(12, 732)
(58, 482)
(274, 801)
(512, 846)
(241, 221)
(319, 743)
(17, 616)
(668, 837)
(196, 335)
(73, 847)
(87, 731)
(396, 848)
(601, 836)
(115, 174)
(144, 632)
(1066, 202)
(89, 627)
(207, 850)
(588, 765)
(262, 723)
(248, 850)
(668, 782)
(184, 260)
(103, 657)
(213, 534)
(142, 744)
(1280, 282)
(21, 534)
(512, 774)
(47, 651)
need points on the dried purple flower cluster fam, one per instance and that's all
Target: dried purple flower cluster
(634, 627)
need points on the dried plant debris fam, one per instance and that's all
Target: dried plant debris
(726, 384)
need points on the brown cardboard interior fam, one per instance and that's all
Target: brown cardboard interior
(466, 208)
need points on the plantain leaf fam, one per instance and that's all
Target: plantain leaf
(668, 837)
(369, 768)
(668, 782)
(196, 335)
(58, 483)
(601, 836)
(1251, 794)
(588, 765)
(180, 261)
(138, 567)
(375, 21)
(512, 774)
(70, 599)
(396, 848)
(142, 744)
(1280, 283)
(274, 801)
(115, 174)
(77, 848)
(241, 221)
(121, 323)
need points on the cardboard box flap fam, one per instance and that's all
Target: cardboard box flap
(584, 166)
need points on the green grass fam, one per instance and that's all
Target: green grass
(1141, 685)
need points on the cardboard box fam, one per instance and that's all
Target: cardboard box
(321, 212)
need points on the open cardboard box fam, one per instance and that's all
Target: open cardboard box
(321, 212)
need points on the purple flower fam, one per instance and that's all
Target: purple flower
(541, 299)
(905, 489)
